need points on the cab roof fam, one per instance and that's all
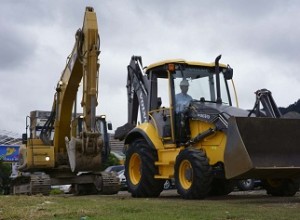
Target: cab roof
(182, 61)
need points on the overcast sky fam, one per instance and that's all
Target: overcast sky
(259, 39)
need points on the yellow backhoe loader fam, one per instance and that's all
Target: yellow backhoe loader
(65, 147)
(190, 131)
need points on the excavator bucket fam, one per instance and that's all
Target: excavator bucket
(80, 160)
(262, 148)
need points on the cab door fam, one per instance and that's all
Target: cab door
(160, 106)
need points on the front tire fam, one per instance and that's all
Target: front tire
(193, 174)
(140, 170)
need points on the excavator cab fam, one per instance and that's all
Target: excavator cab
(101, 127)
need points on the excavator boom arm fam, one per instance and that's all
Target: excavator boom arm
(80, 140)
(82, 65)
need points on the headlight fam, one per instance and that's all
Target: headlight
(47, 158)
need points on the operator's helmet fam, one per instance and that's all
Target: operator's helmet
(184, 82)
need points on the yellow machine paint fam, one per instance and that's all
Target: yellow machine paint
(214, 146)
(166, 152)
(36, 155)
(62, 142)
(203, 141)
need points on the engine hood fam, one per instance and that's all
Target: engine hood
(218, 114)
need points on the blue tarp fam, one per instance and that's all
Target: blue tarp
(9, 153)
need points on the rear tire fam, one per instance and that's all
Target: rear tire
(193, 174)
(140, 170)
(281, 187)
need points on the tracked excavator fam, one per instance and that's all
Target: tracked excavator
(66, 147)
(203, 141)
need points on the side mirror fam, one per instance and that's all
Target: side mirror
(109, 126)
(228, 73)
(159, 102)
(24, 138)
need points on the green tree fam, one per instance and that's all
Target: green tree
(5, 171)
(111, 161)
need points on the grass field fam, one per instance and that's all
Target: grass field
(169, 206)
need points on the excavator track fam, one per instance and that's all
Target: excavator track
(110, 183)
(103, 183)
(38, 183)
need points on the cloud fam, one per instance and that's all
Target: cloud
(15, 47)
(258, 39)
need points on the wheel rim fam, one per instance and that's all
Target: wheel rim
(167, 184)
(185, 174)
(247, 182)
(135, 168)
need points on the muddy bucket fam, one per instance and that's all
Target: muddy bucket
(83, 161)
(262, 148)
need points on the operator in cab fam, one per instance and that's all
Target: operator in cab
(182, 100)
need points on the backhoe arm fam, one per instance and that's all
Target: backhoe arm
(137, 92)
(270, 108)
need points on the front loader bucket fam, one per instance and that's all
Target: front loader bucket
(262, 148)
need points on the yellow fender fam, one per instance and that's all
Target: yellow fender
(146, 131)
